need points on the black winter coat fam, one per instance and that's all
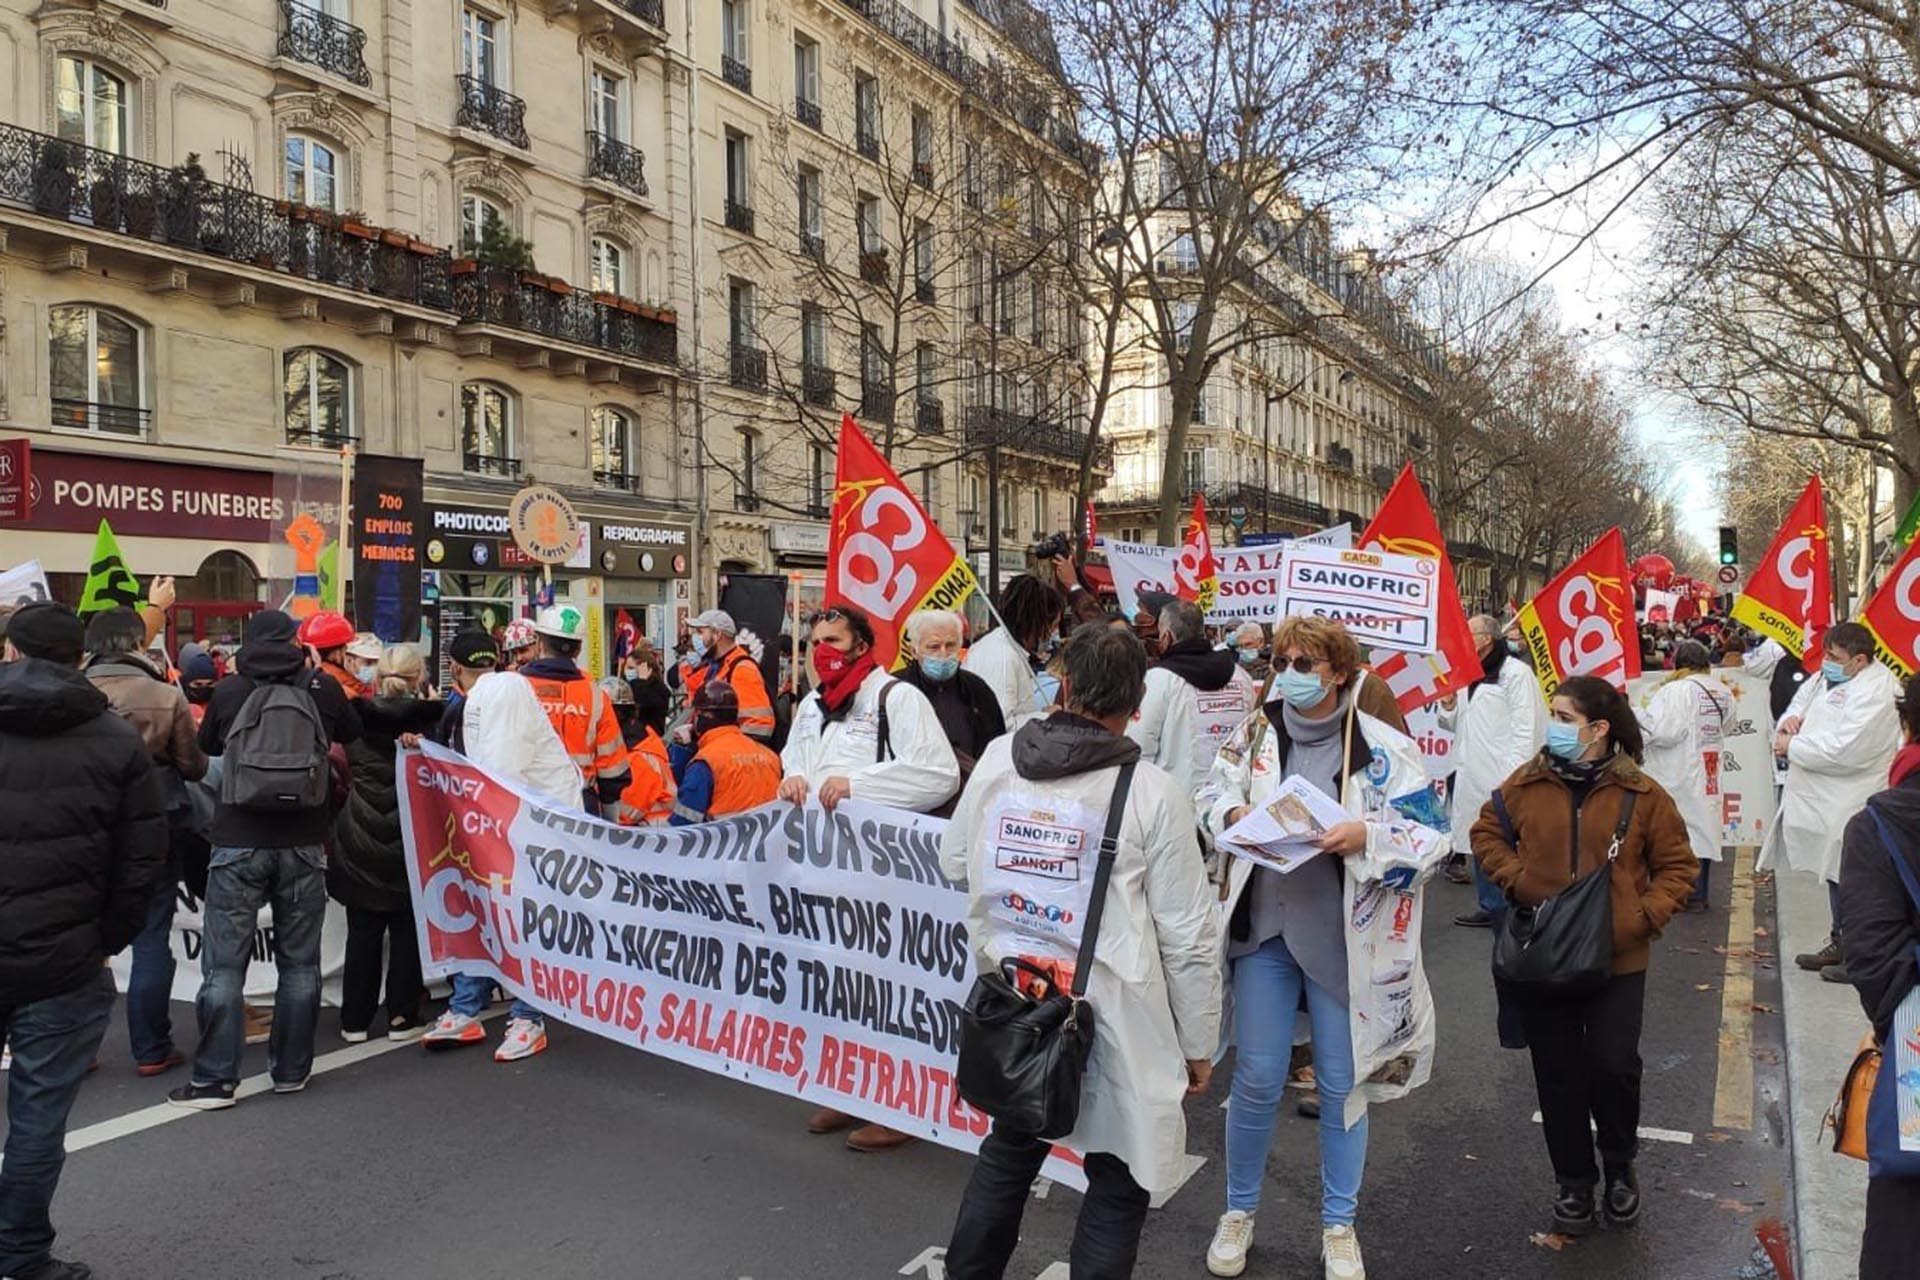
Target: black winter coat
(83, 831)
(367, 870)
(1882, 923)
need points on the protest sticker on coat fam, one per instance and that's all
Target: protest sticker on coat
(1384, 600)
(820, 955)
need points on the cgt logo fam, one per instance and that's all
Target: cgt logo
(1589, 608)
(1022, 905)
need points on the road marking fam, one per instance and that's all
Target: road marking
(1733, 1085)
(1678, 1136)
(931, 1263)
(1194, 1165)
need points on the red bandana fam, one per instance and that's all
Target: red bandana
(840, 676)
(1905, 762)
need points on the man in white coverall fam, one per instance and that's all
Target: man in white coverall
(1499, 724)
(1196, 695)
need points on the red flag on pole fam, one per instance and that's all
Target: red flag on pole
(1405, 525)
(626, 634)
(1789, 595)
(1893, 615)
(885, 555)
(1196, 575)
(1582, 623)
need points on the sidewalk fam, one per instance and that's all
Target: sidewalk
(1824, 1025)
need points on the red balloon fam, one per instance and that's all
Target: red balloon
(1653, 570)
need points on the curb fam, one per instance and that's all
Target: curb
(1823, 1024)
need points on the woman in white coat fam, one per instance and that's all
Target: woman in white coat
(1005, 657)
(1685, 720)
(1024, 839)
(1345, 927)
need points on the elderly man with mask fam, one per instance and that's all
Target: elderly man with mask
(1250, 651)
(963, 702)
(1499, 724)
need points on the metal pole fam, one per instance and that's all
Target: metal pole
(1266, 457)
(993, 516)
(343, 555)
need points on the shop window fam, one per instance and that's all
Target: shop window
(312, 172)
(90, 105)
(487, 431)
(94, 359)
(318, 397)
(613, 451)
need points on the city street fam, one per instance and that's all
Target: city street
(598, 1160)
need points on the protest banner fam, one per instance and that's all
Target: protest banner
(1384, 600)
(187, 938)
(25, 583)
(1660, 606)
(1789, 594)
(1405, 525)
(387, 514)
(1893, 614)
(1581, 623)
(885, 554)
(820, 955)
(1249, 575)
(1740, 779)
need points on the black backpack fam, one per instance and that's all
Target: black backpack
(276, 753)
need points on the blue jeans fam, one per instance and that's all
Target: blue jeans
(471, 993)
(53, 1041)
(150, 980)
(239, 882)
(1490, 897)
(1266, 994)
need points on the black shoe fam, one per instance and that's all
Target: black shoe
(1573, 1211)
(203, 1097)
(53, 1269)
(1308, 1106)
(1475, 920)
(1622, 1197)
(1815, 961)
(1835, 973)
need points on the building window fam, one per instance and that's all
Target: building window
(813, 338)
(480, 48)
(873, 356)
(93, 359)
(609, 267)
(812, 213)
(867, 222)
(740, 312)
(746, 489)
(1009, 513)
(613, 453)
(866, 115)
(976, 286)
(818, 481)
(925, 374)
(970, 174)
(806, 81)
(316, 395)
(923, 257)
(313, 173)
(739, 178)
(90, 105)
(606, 98)
(478, 215)
(922, 147)
(486, 430)
(1039, 513)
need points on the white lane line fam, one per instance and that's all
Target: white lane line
(1678, 1136)
(1056, 1271)
(1194, 1165)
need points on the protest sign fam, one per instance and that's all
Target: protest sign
(187, 939)
(23, 584)
(1659, 606)
(1740, 779)
(1248, 575)
(1435, 741)
(387, 513)
(110, 584)
(1384, 600)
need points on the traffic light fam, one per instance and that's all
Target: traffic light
(1729, 544)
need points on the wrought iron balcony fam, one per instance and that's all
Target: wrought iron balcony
(813, 246)
(876, 401)
(620, 480)
(107, 419)
(1025, 433)
(616, 162)
(867, 142)
(745, 500)
(819, 385)
(736, 73)
(1340, 457)
(739, 216)
(929, 415)
(321, 439)
(818, 510)
(652, 12)
(1416, 442)
(491, 109)
(873, 266)
(747, 367)
(807, 113)
(332, 44)
(522, 300)
(923, 290)
(492, 464)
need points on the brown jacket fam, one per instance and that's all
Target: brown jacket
(157, 709)
(1652, 876)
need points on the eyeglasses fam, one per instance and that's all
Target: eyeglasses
(1303, 664)
(834, 614)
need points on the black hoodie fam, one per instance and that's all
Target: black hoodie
(83, 831)
(1064, 745)
(1200, 664)
(1882, 922)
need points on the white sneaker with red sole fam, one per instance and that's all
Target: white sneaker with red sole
(525, 1037)
(454, 1029)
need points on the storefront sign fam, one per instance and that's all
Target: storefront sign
(16, 480)
(74, 492)
(386, 546)
(795, 537)
(482, 538)
(642, 550)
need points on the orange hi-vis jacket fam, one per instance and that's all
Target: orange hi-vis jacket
(579, 713)
(739, 670)
(648, 799)
(746, 775)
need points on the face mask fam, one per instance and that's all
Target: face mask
(1249, 656)
(1301, 689)
(1517, 648)
(940, 669)
(699, 646)
(199, 693)
(1563, 740)
(829, 662)
(1047, 687)
(365, 674)
(1835, 671)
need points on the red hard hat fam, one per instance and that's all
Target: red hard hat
(325, 630)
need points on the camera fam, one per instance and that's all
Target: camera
(1054, 544)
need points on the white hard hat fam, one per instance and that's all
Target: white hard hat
(561, 621)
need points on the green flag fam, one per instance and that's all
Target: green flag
(1909, 524)
(109, 582)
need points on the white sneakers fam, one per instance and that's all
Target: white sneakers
(525, 1037)
(1340, 1250)
(1227, 1255)
(454, 1029)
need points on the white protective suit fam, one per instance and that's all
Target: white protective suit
(1156, 985)
(1390, 1006)
(1848, 735)
(1000, 660)
(1180, 727)
(1685, 720)
(919, 771)
(1498, 725)
(508, 732)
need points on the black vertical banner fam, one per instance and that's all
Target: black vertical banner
(387, 512)
(758, 604)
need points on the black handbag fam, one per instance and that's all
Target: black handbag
(1022, 1059)
(1563, 946)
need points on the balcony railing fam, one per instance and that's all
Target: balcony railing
(1026, 433)
(739, 216)
(736, 73)
(923, 290)
(1261, 503)
(492, 464)
(817, 509)
(616, 162)
(923, 173)
(1416, 442)
(807, 113)
(813, 246)
(321, 439)
(929, 415)
(1339, 457)
(652, 12)
(747, 367)
(518, 300)
(108, 419)
(491, 109)
(332, 44)
(621, 480)
(818, 385)
(745, 500)
(867, 143)
(873, 266)
(876, 401)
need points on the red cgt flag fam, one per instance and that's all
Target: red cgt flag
(1582, 623)
(1405, 525)
(1893, 615)
(885, 555)
(1789, 596)
(1196, 575)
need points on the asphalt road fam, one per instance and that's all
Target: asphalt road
(596, 1160)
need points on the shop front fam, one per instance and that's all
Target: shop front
(647, 568)
(800, 553)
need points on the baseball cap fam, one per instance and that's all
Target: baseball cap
(717, 620)
(366, 645)
(474, 649)
(48, 630)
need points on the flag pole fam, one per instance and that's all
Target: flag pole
(343, 561)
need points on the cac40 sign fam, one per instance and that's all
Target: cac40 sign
(1386, 601)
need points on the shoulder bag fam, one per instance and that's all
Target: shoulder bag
(1022, 1059)
(1563, 946)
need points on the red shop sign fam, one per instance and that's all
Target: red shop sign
(73, 492)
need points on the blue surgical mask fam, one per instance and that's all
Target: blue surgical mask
(699, 646)
(1249, 656)
(1835, 671)
(940, 669)
(1563, 740)
(1301, 689)
(366, 674)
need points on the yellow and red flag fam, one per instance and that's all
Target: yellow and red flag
(885, 555)
(1893, 614)
(1582, 623)
(1789, 595)
(1196, 574)
(1405, 525)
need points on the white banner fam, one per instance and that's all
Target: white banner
(1248, 575)
(23, 584)
(188, 938)
(1386, 601)
(820, 955)
(1742, 784)
(1658, 606)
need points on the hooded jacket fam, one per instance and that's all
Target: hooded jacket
(143, 698)
(367, 870)
(1196, 696)
(1883, 922)
(1156, 985)
(83, 831)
